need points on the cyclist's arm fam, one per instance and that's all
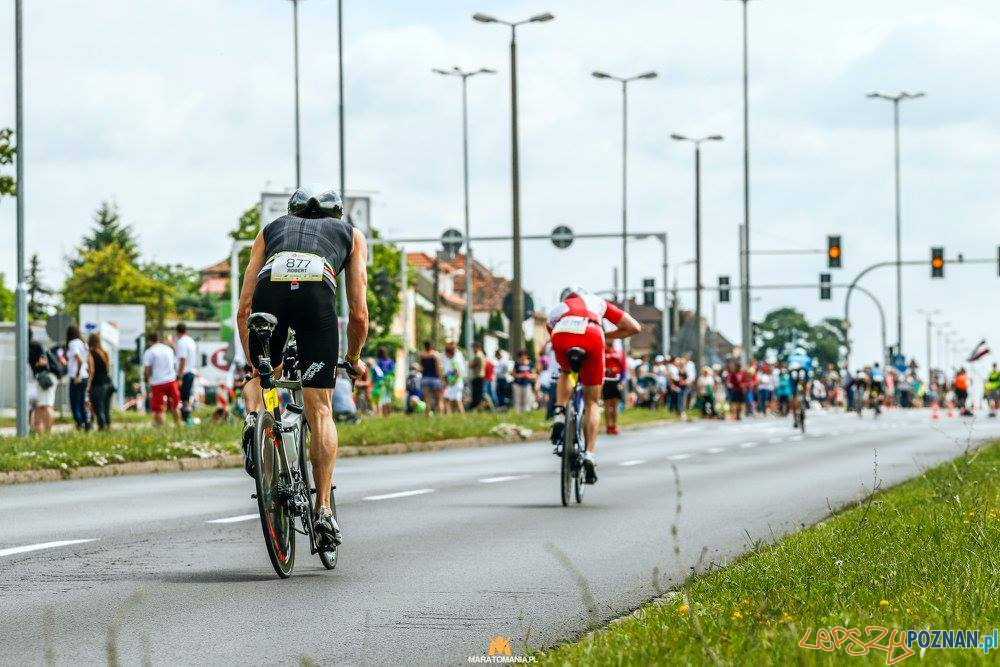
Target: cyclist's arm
(246, 294)
(625, 325)
(356, 274)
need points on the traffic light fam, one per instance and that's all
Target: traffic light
(723, 289)
(833, 252)
(648, 291)
(937, 262)
(824, 287)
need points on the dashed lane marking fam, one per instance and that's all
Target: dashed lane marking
(503, 478)
(400, 494)
(235, 519)
(633, 462)
(10, 551)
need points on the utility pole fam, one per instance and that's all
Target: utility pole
(20, 300)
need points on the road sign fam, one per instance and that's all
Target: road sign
(56, 326)
(562, 237)
(648, 291)
(452, 240)
(899, 363)
(723, 289)
(824, 286)
(508, 306)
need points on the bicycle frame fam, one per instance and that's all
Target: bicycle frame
(269, 386)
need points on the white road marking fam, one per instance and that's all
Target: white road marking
(678, 457)
(715, 450)
(633, 462)
(748, 445)
(401, 494)
(776, 440)
(795, 438)
(43, 545)
(235, 519)
(505, 478)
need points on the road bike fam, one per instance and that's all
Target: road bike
(282, 469)
(573, 475)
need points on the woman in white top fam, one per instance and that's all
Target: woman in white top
(77, 355)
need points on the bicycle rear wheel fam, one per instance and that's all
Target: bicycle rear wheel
(275, 520)
(568, 454)
(328, 557)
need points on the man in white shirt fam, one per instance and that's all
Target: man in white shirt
(453, 365)
(187, 360)
(161, 376)
(77, 358)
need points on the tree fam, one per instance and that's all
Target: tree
(383, 293)
(829, 339)
(108, 276)
(109, 229)
(781, 331)
(38, 293)
(6, 301)
(183, 282)
(247, 229)
(7, 185)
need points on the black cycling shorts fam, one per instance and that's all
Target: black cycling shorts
(310, 310)
(611, 389)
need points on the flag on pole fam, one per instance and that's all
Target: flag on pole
(980, 351)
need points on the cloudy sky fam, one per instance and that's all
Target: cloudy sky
(182, 113)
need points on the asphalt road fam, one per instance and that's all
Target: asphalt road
(443, 550)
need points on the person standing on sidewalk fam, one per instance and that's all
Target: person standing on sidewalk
(477, 376)
(501, 369)
(524, 383)
(79, 372)
(615, 373)
(161, 377)
(99, 386)
(187, 360)
(42, 385)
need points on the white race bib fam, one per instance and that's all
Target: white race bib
(571, 324)
(297, 266)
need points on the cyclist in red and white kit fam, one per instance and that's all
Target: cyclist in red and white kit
(578, 321)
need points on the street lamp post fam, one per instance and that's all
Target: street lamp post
(517, 302)
(747, 334)
(699, 343)
(928, 314)
(295, 42)
(20, 296)
(457, 71)
(896, 99)
(624, 81)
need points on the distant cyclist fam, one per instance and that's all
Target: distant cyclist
(876, 387)
(292, 274)
(578, 321)
(800, 375)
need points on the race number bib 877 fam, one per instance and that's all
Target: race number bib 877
(297, 266)
(571, 324)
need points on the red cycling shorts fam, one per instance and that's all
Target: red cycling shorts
(592, 342)
(168, 393)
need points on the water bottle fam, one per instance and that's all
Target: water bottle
(291, 421)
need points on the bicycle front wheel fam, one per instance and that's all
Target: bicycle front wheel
(272, 485)
(328, 557)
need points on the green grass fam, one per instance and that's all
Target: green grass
(923, 555)
(74, 449)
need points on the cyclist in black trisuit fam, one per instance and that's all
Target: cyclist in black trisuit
(292, 274)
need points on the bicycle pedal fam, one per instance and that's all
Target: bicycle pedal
(253, 496)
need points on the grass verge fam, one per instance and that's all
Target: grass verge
(922, 555)
(66, 451)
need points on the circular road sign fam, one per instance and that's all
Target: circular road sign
(452, 240)
(508, 306)
(562, 237)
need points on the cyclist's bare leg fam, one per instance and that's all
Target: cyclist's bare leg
(323, 447)
(591, 415)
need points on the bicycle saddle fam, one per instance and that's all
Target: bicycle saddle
(262, 322)
(576, 355)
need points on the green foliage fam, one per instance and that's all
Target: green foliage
(7, 152)
(38, 294)
(247, 228)
(495, 324)
(383, 288)
(6, 301)
(183, 282)
(784, 329)
(108, 229)
(107, 275)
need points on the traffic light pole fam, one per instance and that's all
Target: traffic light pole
(854, 284)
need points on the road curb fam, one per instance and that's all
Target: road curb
(236, 460)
